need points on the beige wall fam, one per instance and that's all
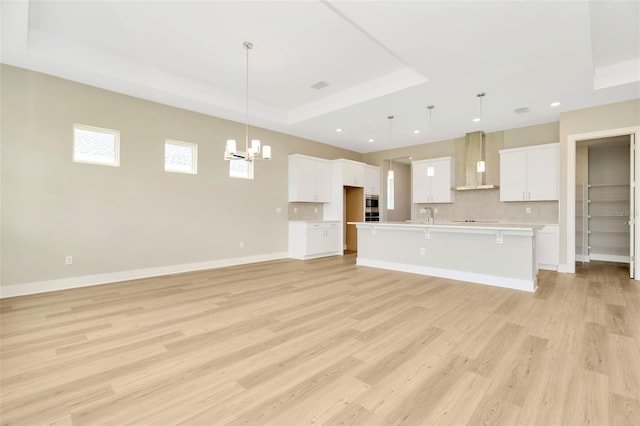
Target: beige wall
(605, 117)
(135, 216)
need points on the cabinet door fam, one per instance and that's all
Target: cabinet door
(332, 238)
(302, 179)
(372, 180)
(323, 181)
(542, 174)
(513, 176)
(316, 242)
(352, 174)
(420, 182)
(547, 246)
(441, 182)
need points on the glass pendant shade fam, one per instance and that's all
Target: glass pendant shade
(231, 146)
(266, 152)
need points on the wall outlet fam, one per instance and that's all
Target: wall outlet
(316, 210)
(527, 210)
(295, 210)
(422, 251)
(68, 260)
(278, 209)
(241, 244)
(435, 210)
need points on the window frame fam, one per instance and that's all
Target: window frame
(250, 168)
(95, 129)
(194, 156)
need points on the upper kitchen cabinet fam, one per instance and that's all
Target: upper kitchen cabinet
(529, 173)
(309, 179)
(371, 180)
(352, 172)
(436, 187)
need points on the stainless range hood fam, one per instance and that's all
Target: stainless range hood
(475, 151)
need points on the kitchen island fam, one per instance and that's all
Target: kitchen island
(495, 254)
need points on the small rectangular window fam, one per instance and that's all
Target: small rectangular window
(96, 145)
(180, 157)
(241, 169)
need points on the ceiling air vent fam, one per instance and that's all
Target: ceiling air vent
(319, 85)
(522, 110)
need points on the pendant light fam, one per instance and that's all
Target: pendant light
(480, 166)
(390, 176)
(390, 173)
(430, 169)
(252, 151)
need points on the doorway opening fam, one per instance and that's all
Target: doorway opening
(603, 197)
(569, 215)
(353, 212)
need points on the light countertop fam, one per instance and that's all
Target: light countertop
(456, 225)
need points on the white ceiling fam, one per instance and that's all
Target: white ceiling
(380, 58)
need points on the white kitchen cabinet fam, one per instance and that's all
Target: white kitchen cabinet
(529, 173)
(371, 180)
(352, 172)
(548, 247)
(433, 189)
(308, 240)
(309, 179)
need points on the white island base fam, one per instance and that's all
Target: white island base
(502, 256)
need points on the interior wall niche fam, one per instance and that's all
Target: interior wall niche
(402, 186)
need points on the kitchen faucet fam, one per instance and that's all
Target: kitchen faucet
(430, 218)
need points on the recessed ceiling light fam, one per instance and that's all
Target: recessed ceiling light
(555, 104)
(475, 120)
(370, 140)
(416, 131)
(338, 130)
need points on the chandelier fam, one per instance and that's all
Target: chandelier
(253, 150)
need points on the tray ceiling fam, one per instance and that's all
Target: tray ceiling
(377, 58)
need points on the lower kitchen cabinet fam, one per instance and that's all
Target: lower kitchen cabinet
(548, 247)
(308, 240)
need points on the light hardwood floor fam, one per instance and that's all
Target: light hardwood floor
(325, 342)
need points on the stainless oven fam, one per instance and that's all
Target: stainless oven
(371, 210)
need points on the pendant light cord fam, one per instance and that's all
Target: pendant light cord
(248, 46)
(430, 108)
(390, 142)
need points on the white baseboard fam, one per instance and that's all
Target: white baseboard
(609, 257)
(316, 256)
(112, 277)
(567, 269)
(513, 283)
(548, 267)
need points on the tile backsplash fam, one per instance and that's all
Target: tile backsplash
(305, 211)
(486, 205)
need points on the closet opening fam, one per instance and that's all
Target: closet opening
(604, 212)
